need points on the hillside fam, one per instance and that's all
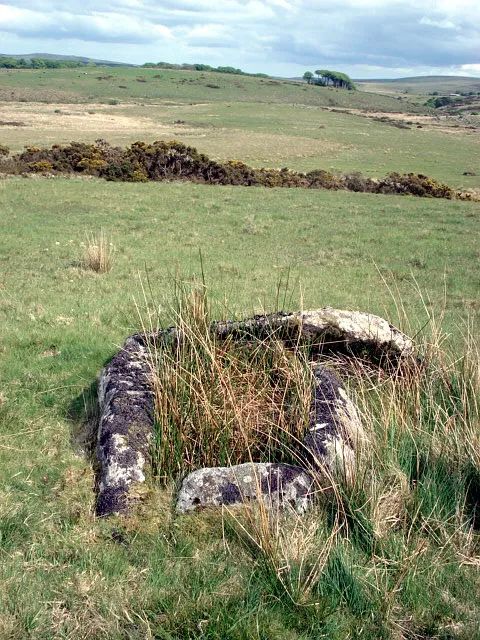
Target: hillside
(421, 85)
(125, 84)
(57, 56)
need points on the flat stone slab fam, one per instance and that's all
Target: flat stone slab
(334, 329)
(278, 485)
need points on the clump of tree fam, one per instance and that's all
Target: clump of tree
(201, 67)
(7, 62)
(442, 101)
(308, 77)
(326, 78)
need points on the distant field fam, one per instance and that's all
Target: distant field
(297, 136)
(154, 85)
(422, 85)
(463, 92)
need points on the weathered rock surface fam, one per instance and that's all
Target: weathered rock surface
(127, 404)
(333, 329)
(125, 428)
(335, 430)
(279, 485)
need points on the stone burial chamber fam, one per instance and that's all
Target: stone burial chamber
(332, 438)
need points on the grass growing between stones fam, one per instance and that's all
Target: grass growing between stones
(395, 551)
(395, 556)
(219, 402)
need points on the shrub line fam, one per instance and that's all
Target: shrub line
(173, 160)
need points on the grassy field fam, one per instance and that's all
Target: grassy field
(465, 91)
(422, 86)
(65, 574)
(159, 85)
(297, 136)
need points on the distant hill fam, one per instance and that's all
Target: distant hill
(421, 85)
(57, 56)
(420, 79)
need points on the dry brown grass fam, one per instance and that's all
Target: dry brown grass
(221, 402)
(98, 253)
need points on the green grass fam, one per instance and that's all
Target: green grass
(422, 86)
(297, 136)
(65, 574)
(157, 85)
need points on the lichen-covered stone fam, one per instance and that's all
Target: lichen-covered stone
(125, 427)
(127, 404)
(335, 430)
(334, 329)
(278, 485)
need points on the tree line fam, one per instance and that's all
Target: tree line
(327, 78)
(201, 67)
(6, 62)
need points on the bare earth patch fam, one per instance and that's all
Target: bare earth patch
(73, 117)
(46, 124)
(443, 123)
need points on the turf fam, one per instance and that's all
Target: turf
(65, 573)
(154, 85)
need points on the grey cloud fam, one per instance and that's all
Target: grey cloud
(403, 33)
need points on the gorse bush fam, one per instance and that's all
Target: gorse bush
(415, 185)
(173, 160)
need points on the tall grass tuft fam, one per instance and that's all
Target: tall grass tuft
(219, 402)
(393, 554)
(397, 551)
(98, 253)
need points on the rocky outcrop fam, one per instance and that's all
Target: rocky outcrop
(331, 330)
(334, 431)
(278, 485)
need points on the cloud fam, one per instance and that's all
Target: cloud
(440, 24)
(263, 35)
(98, 26)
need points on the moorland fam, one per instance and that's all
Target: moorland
(65, 573)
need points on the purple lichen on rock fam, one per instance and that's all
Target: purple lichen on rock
(277, 485)
(125, 428)
(334, 431)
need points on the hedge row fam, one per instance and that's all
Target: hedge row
(141, 162)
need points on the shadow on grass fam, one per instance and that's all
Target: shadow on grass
(83, 414)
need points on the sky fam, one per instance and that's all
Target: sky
(364, 38)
